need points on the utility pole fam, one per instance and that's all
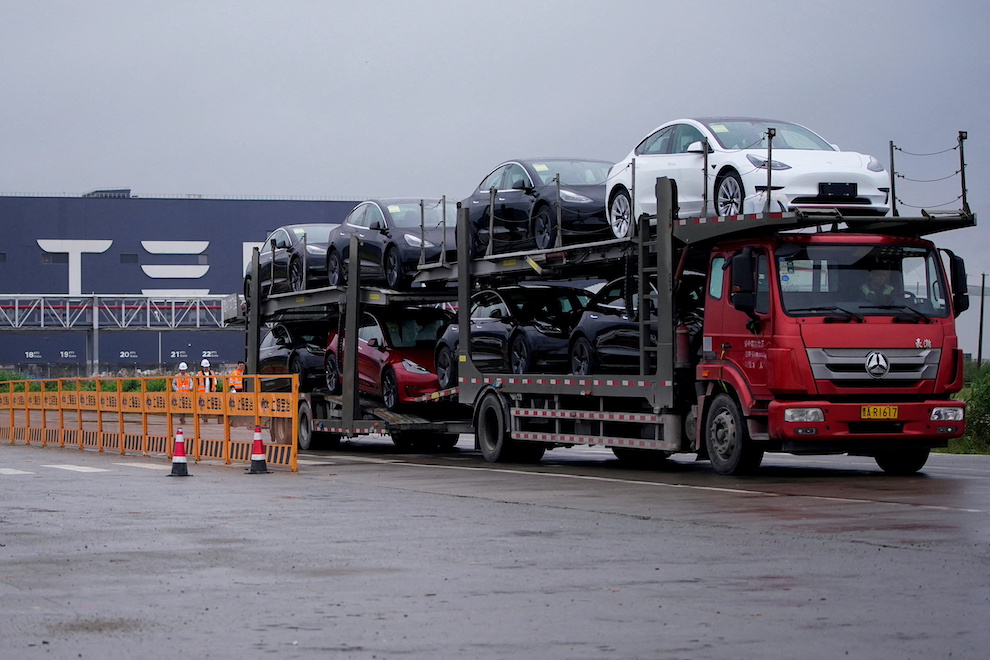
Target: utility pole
(983, 297)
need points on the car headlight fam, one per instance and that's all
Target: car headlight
(874, 165)
(947, 414)
(762, 163)
(415, 241)
(573, 197)
(414, 368)
(804, 415)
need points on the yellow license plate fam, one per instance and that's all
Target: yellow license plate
(878, 412)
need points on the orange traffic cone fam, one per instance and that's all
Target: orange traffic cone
(258, 464)
(179, 468)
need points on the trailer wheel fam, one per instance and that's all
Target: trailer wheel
(903, 461)
(729, 447)
(335, 269)
(620, 214)
(390, 389)
(446, 368)
(493, 435)
(310, 439)
(545, 228)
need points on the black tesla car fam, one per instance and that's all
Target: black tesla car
(294, 348)
(606, 336)
(396, 235)
(517, 204)
(516, 329)
(292, 258)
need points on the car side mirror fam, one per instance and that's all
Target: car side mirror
(698, 147)
(373, 342)
(520, 184)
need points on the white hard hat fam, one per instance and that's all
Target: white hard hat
(204, 363)
(183, 366)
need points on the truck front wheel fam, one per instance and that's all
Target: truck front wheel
(729, 447)
(902, 461)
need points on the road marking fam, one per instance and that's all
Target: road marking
(13, 471)
(146, 466)
(76, 468)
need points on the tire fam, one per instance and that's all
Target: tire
(332, 372)
(310, 439)
(727, 439)
(902, 461)
(729, 194)
(545, 228)
(403, 440)
(620, 215)
(582, 358)
(336, 273)
(446, 366)
(395, 277)
(297, 278)
(281, 430)
(390, 389)
(448, 441)
(492, 435)
(304, 378)
(520, 357)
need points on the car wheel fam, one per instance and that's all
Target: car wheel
(390, 389)
(394, 277)
(446, 368)
(729, 194)
(297, 279)
(730, 448)
(520, 357)
(335, 269)
(582, 358)
(295, 367)
(620, 214)
(902, 461)
(332, 373)
(545, 228)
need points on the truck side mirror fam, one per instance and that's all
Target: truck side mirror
(960, 288)
(743, 290)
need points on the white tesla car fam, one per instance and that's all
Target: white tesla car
(806, 172)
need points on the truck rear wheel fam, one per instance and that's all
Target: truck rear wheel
(727, 439)
(310, 439)
(902, 461)
(492, 431)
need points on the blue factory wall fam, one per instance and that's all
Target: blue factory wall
(134, 246)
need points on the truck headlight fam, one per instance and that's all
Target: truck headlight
(804, 415)
(947, 414)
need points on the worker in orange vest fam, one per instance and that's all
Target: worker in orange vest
(235, 381)
(182, 382)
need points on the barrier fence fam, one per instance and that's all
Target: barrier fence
(138, 416)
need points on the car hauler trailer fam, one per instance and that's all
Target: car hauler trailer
(758, 342)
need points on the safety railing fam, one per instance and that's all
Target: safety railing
(143, 415)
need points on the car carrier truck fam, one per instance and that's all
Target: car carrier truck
(775, 332)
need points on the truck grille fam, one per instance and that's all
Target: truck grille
(847, 366)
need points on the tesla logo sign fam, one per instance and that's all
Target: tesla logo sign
(877, 364)
(75, 248)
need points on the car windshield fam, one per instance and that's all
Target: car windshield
(572, 172)
(408, 214)
(547, 303)
(314, 233)
(752, 134)
(415, 329)
(861, 280)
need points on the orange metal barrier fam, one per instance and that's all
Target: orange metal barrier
(124, 415)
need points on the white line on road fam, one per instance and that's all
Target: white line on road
(13, 471)
(76, 468)
(146, 466)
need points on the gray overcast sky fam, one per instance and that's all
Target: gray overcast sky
(359, 99)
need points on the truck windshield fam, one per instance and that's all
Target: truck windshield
(855, 281)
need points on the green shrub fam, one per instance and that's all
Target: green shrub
(977, 438)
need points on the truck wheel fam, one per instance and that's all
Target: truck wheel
(335, 269)
(545, 228)
(310, 439)
(729, 447)
(902, 461)
(281, 430)
(620, 214)
(729, 194)
(446, 368)
(491, 429)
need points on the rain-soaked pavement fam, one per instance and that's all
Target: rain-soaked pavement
(369, 553)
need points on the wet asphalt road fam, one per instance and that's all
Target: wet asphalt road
(369, 553)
